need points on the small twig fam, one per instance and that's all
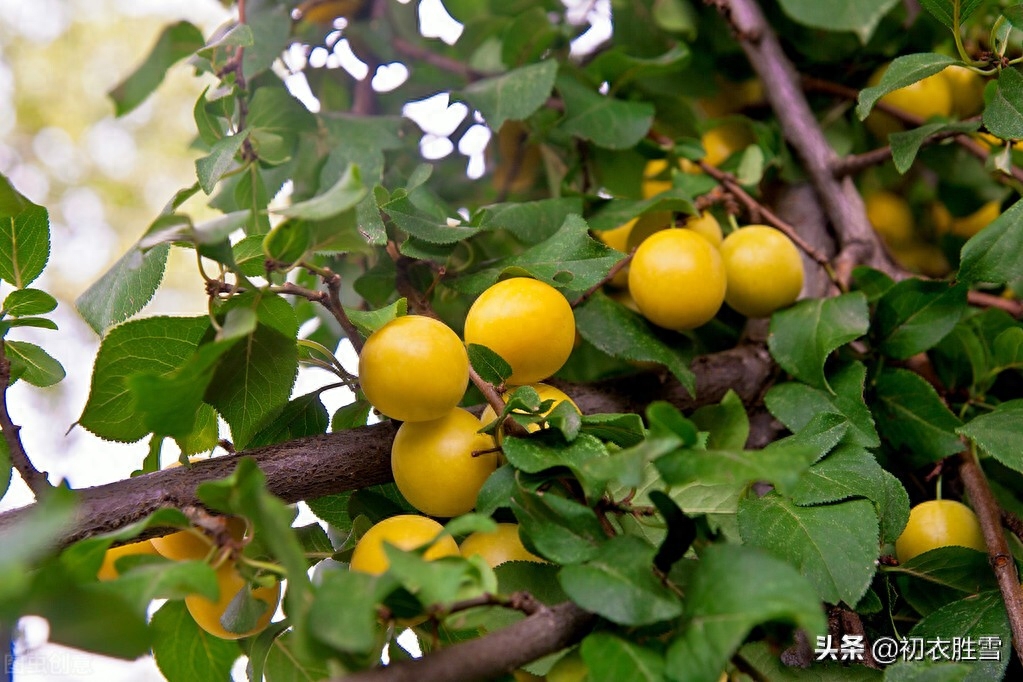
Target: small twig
(854, 163)
(999, 555)
(615, 269)
(490, 392)
(517, 601)
(35, 479)
(1013, 523)
(417, 53)
(985, 300)
(333, 304)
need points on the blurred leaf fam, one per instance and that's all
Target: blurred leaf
(184, 652)
(607, 122)
(910, 414)
(914, 315)
(727, 423)
(271, 33)
(624, 430)
(176, 42)
(288, 661)
(275, 115)
(513, 95)
(621, 333)
(860, 17)
(995, 254)
(618, 583)
(998, 433)
(212, 167)
(124, 289)
(902, 71)
(782, 465)
(32, 364)
(805, 538)
(343, 195)
(530, 221)
(286, 243)
(559, 529)
(906, 144)
(344, 612)
(28, 302)
(613, 659)
(803, 336)
(733, 589)
(491, 367)
(24, 244)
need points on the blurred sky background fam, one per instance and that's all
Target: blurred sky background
(103, 180)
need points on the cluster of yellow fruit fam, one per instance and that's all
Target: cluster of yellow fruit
(195, 545)
(679, 277)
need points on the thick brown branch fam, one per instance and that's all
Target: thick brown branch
(493, 655)
(999, 555)
(35, 479)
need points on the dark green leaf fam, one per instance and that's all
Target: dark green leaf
(911, 415)
(621, 333)
(557, 528)
(536, 454)
(124, 289)
(804, 335)
(903, 71)
(995, 254)
(612, 659)
(176, 42)
(350, 416)
(24, 244)
(184, 652)
(726, 422)
(943, 10)
(32, 364)
(860, 17)
(488, 364)
(980, 620)
(906, 144)
(513, 95)
(288, 661)
(624, 430)
(1003, 111)
(915, 314)
(531, 221)
(604, 120)
(998, 433)
(781, 464)
(618, 583)
(302, 416)
(422, 225)
(733, 589)
(28, 302)
(805, 538)
(286, 244)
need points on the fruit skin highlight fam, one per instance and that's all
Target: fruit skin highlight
(433, 463)
(939, 523)
(414, 368)
(406, 532)
(528, 323)
(207, 613)
(677, 279)
(765, 270)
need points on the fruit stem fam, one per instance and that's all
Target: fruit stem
(957, 33)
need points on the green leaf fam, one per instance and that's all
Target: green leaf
(368, 321)
(621, 333)
(782, 465)
(995, 254)
(303, 416)
(124, 289)
(288, 661)
(998, 433)
(253, 379)
(351, 416)
(1008, 350)
(341, 196)
(860, 17)
(914, 315)
(286, 244)
(535, 454)
(943, 10)
(618, 583)
(184, 652)
(733, 589)
(134, 347)
(903, 71)
(530, 221)
(32, 364)
(28, 302)
(344, 614)
(624, 430)
(805, 538)
(795, 404)
(488, 364)
(513, 95)
(271, 34)
(24, 244)
(973, 619)
(212, 167)
(176, 42)
(607, 122)
(1003, 110)
(559, 529)
(911, 415)
(421, 225)
(613, 659)
(956, 568)
(906, 144)
(275, 120)
(727, 423)
(804, 335)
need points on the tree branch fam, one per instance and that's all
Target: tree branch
(35, 479)
(499, 653)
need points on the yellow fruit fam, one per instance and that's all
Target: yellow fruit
(544, 391)
(891, 217)
(725, 140)
(526, 322)
(516, 155)
(707, 226)
(654, 180)
(765, 271)
(677, 279)
(433, 463)
(108, 571)
(618, 239)
(939, 523)
(406, 532)
(194, 544)
(569, 668)
(970, 225)
(925, 98)
(413, 369)
(499, 546)
(967, 88)
(207, 614)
